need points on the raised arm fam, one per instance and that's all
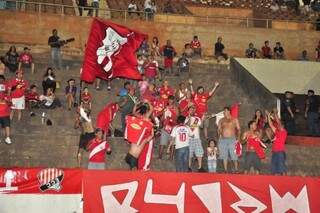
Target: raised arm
(216, 85)
(191, 87)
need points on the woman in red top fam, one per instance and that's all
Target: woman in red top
(5, 117)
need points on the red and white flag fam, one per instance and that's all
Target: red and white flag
(110, 52)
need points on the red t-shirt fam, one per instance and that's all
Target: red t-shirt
(195, 44)
(200, 100)
(148, 95)
(18, 87)
(106, 116)
(279, 140)
(261, 123)
(32, 96)
(98, 149)
(169, 118)
(253, 143)
(25, 58)
(158, 107)
(137, 129)
(183, 107)
(86, 97)
(266, 51)
(4, 110)
(150, 70)
(165, 93)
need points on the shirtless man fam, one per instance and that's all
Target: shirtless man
(142, 111)
(229, 133)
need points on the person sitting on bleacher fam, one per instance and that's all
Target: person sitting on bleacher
(196, 46)
(219, 50)
(132, 8)
(50, 101)
(278, 51)
(251, 52)
(266, 50)
(183, 64)
(33, 99)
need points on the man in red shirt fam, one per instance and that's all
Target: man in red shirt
(278, 159)
(106, 116)
(169, 119)
(196, 46)
(200, 99)
(151, 69)
(165, 91)
(158, 108)
(266, 50)
(25, 60)
(17, 89)
(98, 149)
(141, 128)
(5, 117)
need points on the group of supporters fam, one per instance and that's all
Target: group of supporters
(171, 120)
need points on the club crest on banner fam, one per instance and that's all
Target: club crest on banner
(50, 179)
(112, 44)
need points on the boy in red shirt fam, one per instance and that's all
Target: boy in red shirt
(25, 60)
(17, 89)
(98, 149)
(33, 99)
(196, 46)
(5, 117)
(278, 159)
(266, 50)
(200, 99)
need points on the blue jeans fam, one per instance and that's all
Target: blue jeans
(56, 59)
(313, 127)
(212, 166)
(278, 163)
(182, 159)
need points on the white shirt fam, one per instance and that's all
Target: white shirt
(147, 4)
(194, 122)
(212, 153)
(181, 135)
(132, 6)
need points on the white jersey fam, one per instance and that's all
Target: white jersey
(181, 135)
(194, 122)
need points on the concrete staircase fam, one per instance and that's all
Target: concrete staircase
(35, 144)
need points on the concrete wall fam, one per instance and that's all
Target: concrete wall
(281, 75)
(225, 12)
(255, 89)
(34, 29)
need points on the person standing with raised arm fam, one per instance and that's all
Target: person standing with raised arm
(200, 99)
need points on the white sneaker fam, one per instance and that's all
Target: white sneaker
(8, 140)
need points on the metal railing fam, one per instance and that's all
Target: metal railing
(59, 9)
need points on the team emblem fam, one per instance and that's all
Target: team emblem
(50, 179)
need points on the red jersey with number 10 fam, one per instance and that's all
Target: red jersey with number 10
(137, 129)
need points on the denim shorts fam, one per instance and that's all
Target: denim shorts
(226, 148)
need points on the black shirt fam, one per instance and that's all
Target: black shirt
(54, 39)
(288, 102)
(218, 48)
(313, 103)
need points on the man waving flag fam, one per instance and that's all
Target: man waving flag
(110, 52)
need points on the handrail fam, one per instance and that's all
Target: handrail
(107, 13)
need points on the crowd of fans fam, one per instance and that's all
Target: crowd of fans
(174, 115)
